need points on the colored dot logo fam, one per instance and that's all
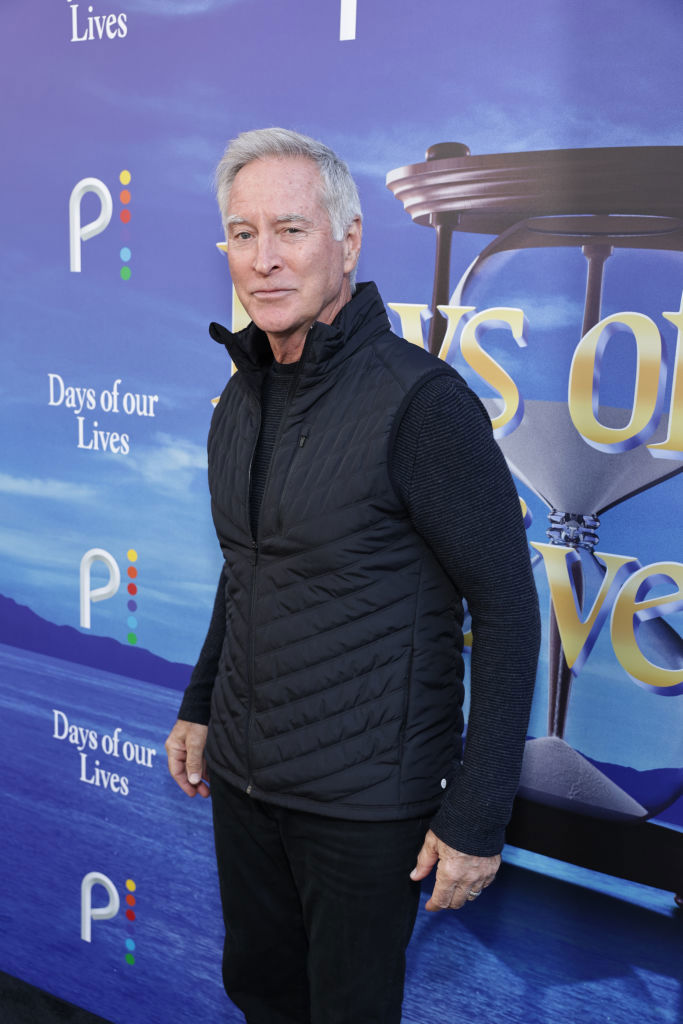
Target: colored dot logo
(130, 921)
(124, 217)
(132, 588)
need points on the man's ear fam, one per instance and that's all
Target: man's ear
(352, 240)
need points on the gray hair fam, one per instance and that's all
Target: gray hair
(339, 192)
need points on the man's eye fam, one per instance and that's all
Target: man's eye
(242, 236)
(292, 231)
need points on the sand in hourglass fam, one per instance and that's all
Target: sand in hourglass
(547, 453)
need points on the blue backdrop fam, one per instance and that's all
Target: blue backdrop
(113, 119)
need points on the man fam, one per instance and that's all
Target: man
(358, 497)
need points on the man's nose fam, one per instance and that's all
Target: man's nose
(266, 256)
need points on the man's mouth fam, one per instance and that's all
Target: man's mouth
(271, 293)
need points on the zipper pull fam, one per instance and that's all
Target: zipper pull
(304, 434)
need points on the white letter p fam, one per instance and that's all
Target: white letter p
(78, 233)
(90, 913)
(88, 596)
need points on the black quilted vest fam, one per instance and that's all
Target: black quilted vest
(339, 687)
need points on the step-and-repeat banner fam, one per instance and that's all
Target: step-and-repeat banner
(520, 177)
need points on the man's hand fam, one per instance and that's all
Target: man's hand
(459, 876)
(185, 752)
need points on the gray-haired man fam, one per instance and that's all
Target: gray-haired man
(353, 481)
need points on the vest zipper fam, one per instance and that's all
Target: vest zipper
(250, 669)
(252, 606)
(281, 429)
(255, 540)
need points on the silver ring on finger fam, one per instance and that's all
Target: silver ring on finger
(473, 893)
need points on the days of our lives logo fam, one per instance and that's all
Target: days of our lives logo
(88, 27)
(115, 401)
(115, 753)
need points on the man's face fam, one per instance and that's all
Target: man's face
(287, 269)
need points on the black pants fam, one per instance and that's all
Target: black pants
(318, 911)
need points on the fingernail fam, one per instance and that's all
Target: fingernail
(194, 779)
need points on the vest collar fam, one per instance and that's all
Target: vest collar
(326, 345)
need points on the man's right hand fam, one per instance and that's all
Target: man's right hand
(185, 752)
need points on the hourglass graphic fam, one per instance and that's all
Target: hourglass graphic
(593, 203)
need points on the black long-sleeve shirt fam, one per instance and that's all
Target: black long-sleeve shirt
(459, 495)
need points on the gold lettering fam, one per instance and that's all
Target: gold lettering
(240, 317)
(631, 607)
(491, 371)
(673, 446)
(454, 315)
(579, 635)
(410, 315)
(584, 384)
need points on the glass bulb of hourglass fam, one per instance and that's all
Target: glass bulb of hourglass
(549, 284)
(566, 274)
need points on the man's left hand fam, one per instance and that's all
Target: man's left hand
(459, 877)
